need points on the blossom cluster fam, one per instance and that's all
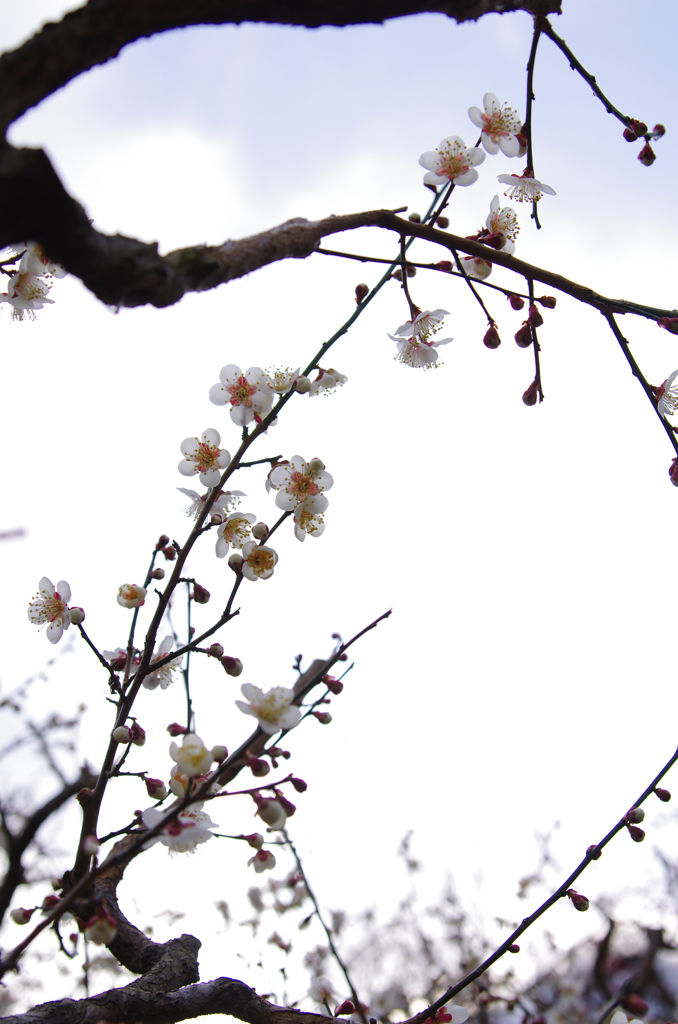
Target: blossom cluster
(27, 289)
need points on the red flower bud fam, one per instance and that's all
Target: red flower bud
(215, 651)
(658, 131)
(361, 291)
(534, 317)
(177, 730)
(579, 902)
(200, 595)
(441, 222)
(288, 807)
(514, 948)
(523, 336)
(663, 794)
(594, 852)
(491, 338)
(157, 574)
(531, 396)
(346, 1007)
(163, 541)
(299, 785)
(630, 135)
(517, 301)
(673, 472)
(258, 767)
(495, 240)
(639, 127)
(335, 686)
(635, 815)
(549, 301)
(445, 266)
(324, 717)
(170, 553)
(647, 155)
(636, 833)
(233, 666)
(634, 1004)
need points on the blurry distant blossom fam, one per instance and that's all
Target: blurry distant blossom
(274, 709)
(451, 161)
(263, 860)
(500, 126)
(248, 393)
(192, 757)
(181, 835)
(34, 261)
(50, 608)
(523, 188)
(204, 456)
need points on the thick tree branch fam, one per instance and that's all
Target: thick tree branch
(95, 33)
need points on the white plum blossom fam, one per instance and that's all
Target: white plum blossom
(301, 483)
(476, 267)
(667, 395)
(280, 380)
(34, 261)
(451, 161)
(234, 532)
(248, 393)
(307, 521)
(263, 860)
(412, 338)
(273, 709)
(258, 561)
(326, 382)
(164, 675)
(620, 1018)
(523, 188)
(204, 456)
(50, 607)
(192, 757)
(220, 506)
(503, 221)
(500, 126)
(188, 830)
(26, 293)
(131, 595)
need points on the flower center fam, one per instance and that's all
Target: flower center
(272, 706)
(260, 560)
(454, 160)
(504, 122)
(303, 485)
(241, 392)
(206, 456)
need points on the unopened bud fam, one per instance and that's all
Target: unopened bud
(255, 840)
(669, 323)
(57, 884)
(514, 948)
(50, 902)
(84, 796)
(441, 222)
(102, 928)
(495, 240)
(673, 472)
(217, 518)
(138, 735)
(634, 1004)
(77, 616)
(163, 541)
(170, 552)
(639, 127)
(635, 815)
(345, 1009)
(534, 317)
(335, 686)
(200, 595)
(235, 563)
(445, 266)
(177, 730)
(658, 131)
(219, 753)
(594, 852)
(523, 336)
(288, 807)
(398, 274)
(411, 271)
(579, 902)
(156, 789)
(415, 218)
(302, 385)
(516, 301)
(215, 651)
(299, 785)
(20, 915)
(531, 396)
(316, 465)
(647, 155)
(233, 666)
(361, 291)
(258, 767)
(157, 574)
(90, 845)
(260, 531)
(324, 717)
(636, 833)
(629, 135)
(663, 795)
(122, 734)
(549, 301)
(491, 338)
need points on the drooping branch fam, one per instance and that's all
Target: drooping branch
(98, 31)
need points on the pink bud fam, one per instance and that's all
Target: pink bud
(639, 127)
(491, 338)
(324, 717)
(20, 915)
(260, 531)
(288, 807)
(636, 833)
(579, 902)
(635, 815)
(397, 274)
(534, 317)
(255, 839)
(658, 131)
(49, 902)
(594, 852)
(441, 222)
(335, 686)
(177, 730)
(299, 785)
(523, 336)
(548, 301)
(647, 155)
(258, 767)
(138, 735)
(156, 789)
(517, 301)
(673, 472)
(215, 651)
(445, 266)
(233, 666)
(629, 135)
(163, 541)
(361, 291)
(200, 595)
(77, 616)
(235, 563)
(346, 1008)
(531, 396)
(663, 794)
(169, 552)
(157, 574)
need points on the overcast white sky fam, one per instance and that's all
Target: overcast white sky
(526, 675)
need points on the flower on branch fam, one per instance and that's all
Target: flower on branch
(476, 267)
(258, 561)
(117, 659)
(500, 126)
(220, 506)
(248, 393)
(164, 675)
(263, 860)
(233, 533)
(270, 811)
(50, 607)
(523, 188)
(301, 483)
(279, 380)
(204, 456)
(415, 342)
(102, 928)
(26, 293)
(307, 522)
(327, 382)
(131, 595)
(188, 830)
(451, 161)
(667, 395)
(503, 221)
(192, 756)
(274, 709)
